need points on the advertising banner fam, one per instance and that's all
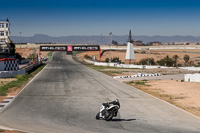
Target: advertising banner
(70, 48)
(86, 48)
(53, 48)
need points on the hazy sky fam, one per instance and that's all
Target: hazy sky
(96, 17)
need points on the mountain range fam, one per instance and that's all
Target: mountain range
(41, 38)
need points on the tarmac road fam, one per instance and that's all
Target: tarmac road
(66, 96)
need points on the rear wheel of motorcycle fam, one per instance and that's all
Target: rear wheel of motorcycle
(109, 116)
(97, 116)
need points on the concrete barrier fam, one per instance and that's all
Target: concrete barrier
(11, 74)
(192, 77)
(191, 68)
(136, 66)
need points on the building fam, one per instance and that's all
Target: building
(138, 43)
(7, 48)
(4, 31)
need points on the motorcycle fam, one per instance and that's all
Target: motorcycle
(108, 110)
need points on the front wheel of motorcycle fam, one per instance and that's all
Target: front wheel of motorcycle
(97, 116)
(109, 115)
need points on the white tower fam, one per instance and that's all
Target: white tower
(129, 50)
(4, 31)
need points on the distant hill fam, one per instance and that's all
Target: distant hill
(41, 38)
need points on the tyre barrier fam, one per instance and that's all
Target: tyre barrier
(9, 65)
(139, 75)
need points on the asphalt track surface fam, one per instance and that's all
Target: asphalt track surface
(66, 96)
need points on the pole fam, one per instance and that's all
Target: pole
(39, 55)
(99, 54)
(110, 46)
(20, 40)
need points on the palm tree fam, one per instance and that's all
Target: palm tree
(186, 58)
(175, 58)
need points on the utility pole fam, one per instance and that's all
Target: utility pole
(110, 45)
(20, 40)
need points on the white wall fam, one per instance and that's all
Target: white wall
(192, 77)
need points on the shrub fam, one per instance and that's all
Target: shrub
(140, 83)
(115, 59)
(87, 57)
(147, 61)
(20, 77)
(107, 60)
(166, 61)
(131, 82)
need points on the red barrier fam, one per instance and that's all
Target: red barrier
(4, 59)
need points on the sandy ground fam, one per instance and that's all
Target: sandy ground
(26, 52)
(185, 95)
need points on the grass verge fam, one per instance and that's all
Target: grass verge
(50, 56)
(110, 71)
(21, 81)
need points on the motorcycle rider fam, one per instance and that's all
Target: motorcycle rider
(105, 105)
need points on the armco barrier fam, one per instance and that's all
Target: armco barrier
(30, 67)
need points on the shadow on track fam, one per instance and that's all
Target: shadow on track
(123, 120)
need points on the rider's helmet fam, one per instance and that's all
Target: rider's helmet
(117, 101)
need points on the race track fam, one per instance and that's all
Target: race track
(66, 96)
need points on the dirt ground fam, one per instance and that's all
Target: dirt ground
(185, 95)
(26, 52)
